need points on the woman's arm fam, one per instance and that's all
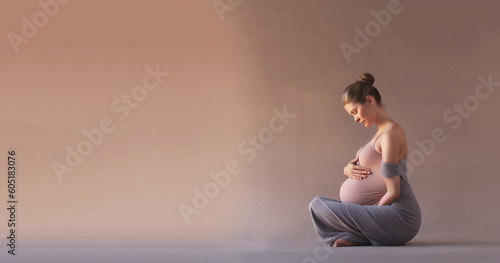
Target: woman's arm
(392, 191)
(391, 146)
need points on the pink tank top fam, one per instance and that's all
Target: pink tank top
(371, 189)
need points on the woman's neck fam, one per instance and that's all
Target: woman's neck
(383, 120)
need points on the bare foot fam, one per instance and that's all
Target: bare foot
(340, 242)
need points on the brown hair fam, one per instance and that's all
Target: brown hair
(358, 91)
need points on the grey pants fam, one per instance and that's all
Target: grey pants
(393, 224)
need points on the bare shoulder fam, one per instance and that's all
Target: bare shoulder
(394, 137)
(395, 132)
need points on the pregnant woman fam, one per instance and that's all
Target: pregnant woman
(377, 205)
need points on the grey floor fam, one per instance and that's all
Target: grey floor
(220, 251)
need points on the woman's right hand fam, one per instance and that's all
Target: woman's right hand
(354, 171)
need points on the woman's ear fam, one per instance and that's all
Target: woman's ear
(370, 100)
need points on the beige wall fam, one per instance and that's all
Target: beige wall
(228, 80)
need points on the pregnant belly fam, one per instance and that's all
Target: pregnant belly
(368, 191)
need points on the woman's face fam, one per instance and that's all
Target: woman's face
(362, 113)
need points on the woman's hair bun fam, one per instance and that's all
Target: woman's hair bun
(366, 78)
